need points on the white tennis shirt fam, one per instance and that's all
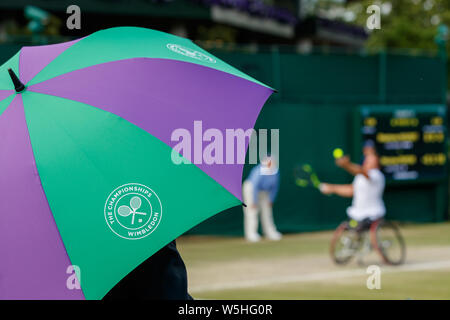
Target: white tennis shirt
(368, 196)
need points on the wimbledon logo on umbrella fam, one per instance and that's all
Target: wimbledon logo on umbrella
(133, 211)
(191, 53)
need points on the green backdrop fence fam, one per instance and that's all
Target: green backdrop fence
(319, 94)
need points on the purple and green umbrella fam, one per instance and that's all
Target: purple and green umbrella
(86, 171)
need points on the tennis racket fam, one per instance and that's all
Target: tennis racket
(305, 176)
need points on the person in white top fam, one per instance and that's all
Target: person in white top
(367, 187)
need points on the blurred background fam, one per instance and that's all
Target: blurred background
(336, 80)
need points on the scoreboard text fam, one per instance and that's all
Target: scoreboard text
(411, 140)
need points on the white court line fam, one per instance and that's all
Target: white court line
(319, 276)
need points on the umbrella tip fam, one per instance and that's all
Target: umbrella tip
(18, 86)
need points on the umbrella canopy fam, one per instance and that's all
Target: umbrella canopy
(86, 171)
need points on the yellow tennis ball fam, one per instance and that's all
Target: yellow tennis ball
(338, 153)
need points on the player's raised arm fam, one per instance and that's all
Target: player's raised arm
(343, 190)
(352, 168)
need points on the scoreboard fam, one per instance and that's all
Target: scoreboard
(411, 140)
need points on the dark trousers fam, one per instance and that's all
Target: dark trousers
(161, 277)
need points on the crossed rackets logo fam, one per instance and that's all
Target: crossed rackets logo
(133, 211)
(135, 204)
(191, 53)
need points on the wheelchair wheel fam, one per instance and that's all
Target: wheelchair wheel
(345, 243)
(388, 242)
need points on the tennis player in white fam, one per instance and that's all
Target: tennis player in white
(367, 187)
